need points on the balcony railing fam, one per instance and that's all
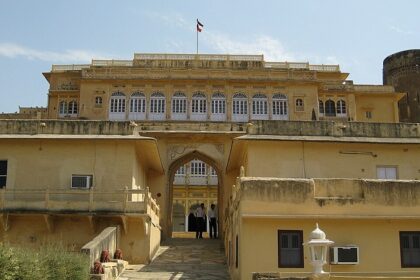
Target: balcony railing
(123, 63)
(145, 56)
(303, 66)
(70, 67)
(77, 200)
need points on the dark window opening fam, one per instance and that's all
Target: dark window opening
(290, 249)
(3, 173)
(410, 248)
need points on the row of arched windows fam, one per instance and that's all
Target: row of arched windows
(67, 109)
(331, 109)
(198, 106)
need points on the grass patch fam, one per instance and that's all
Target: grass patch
(46, 263)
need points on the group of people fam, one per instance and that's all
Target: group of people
(200, 216)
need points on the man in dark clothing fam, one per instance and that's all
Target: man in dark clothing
(200, 215)
(213, 221)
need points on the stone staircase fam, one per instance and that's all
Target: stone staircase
(183, 258)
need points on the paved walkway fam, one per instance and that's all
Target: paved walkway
(183, 258)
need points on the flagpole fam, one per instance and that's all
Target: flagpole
(196, 31)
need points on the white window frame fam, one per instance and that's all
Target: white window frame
(179, 106)
(218, 107)
(387, 172)
(199, 107)
(341, 108)
(62, 108)
(73, 108)
(87, 177)
(137, 106)
(198, 168)
(259, 107)
(280, 111)
(240, 107)
(157, 106)
(117, 104)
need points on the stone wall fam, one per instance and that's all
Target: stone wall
(402, 70)
(291, 128)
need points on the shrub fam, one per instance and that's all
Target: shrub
(48, 263)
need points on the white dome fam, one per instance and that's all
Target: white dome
(317, 233)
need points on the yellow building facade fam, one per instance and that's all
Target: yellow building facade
(276, 146)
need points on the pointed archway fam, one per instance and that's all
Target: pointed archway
(174, 166)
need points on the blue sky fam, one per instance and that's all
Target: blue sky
(358, 35)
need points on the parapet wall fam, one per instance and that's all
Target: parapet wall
(336, 129)
(366, 198)
(287, 128)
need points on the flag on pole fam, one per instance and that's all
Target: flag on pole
(199, 26)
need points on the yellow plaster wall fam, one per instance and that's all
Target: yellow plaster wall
(378, 242)
(298, 159)
(110, 162)
(382, 107)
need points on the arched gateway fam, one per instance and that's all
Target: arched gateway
(180, 161)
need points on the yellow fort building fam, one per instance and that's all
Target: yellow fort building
(138, 145)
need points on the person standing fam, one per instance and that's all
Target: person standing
(213, 221)
(199, 215)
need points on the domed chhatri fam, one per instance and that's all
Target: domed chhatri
(317, 233)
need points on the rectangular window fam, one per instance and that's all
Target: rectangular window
(410, 248)
(368, 114)
(386, 172)
(3, 173)
(81, 181)
(237, 252)
(290, 248)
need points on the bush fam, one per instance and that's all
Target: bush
(48, 263)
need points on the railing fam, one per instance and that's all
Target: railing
(106, 240)
(112, 63)
(374, 88)
(302, 65)
(70, 67)
(57, 200)
(141, 56)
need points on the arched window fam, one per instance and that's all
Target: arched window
(157, 106)
(179, 106)
(137, 106)
(321, 107)
(239, 108)
(199, 106)
(62, 109)
(117, 106)
(341, 108)
(218, 107)
(329, 108)
(280, 107)
(299, 105)
(259, 107)
(73, 108)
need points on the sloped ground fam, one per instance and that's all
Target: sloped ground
(183, 258)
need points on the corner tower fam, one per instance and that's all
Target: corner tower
(402, 70)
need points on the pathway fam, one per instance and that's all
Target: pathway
(183, 258)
